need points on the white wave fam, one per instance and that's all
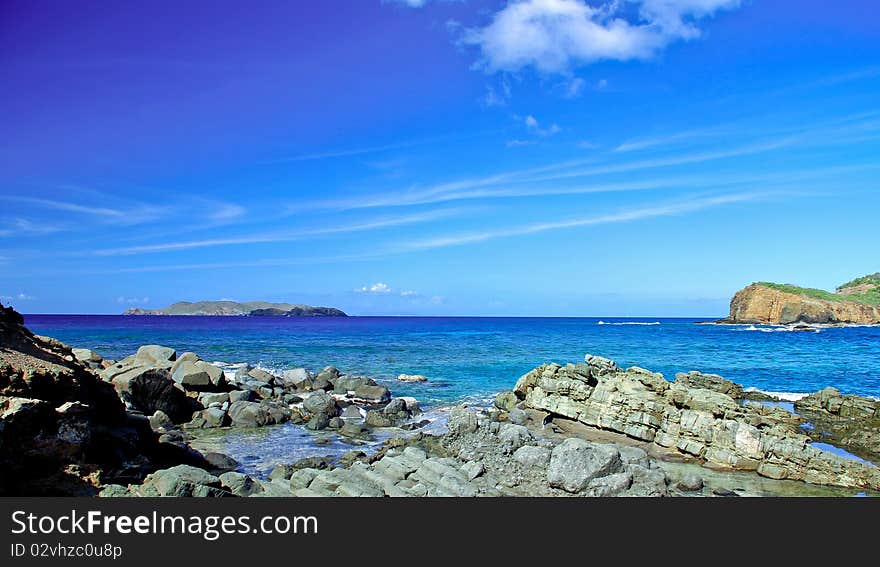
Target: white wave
(629, 323)
(780, 329)
(786, 396)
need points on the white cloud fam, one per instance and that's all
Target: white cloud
(518, 143)
(227, 211)
(23, 226)
(497, 97)
(602, 84)
(553, 36)
(535, 127)
(409, 293)
(376, 288)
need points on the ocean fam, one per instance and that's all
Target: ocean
(468, 359)
(473, 358)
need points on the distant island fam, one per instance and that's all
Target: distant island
(235, 308)
(855, 302)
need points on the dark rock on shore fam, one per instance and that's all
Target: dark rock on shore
(849, 421)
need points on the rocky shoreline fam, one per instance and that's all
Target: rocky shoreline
(75, 424)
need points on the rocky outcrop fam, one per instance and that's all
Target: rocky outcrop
(762, 303)
(63, 431)
(703, 424)
(232, 308)
(848, 421)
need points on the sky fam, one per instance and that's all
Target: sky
(436, 157)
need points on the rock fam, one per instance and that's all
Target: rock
(215, 375)
(220, 462)
(208, 398)
(88, 357)
(151, 389)
(160, 421)
(512, 437)
(411, 378)
(351, 412)
(690, 483)
(575, 462)
(767, 303)
(261, 375)
(281, 472)
(375, 418)
(214, 417)
(257, 414)
(336, 423)
(189, 375)
(156, 355)
(326, 378)
(240, 484)
(348, 384)
(321, 403)
(372, 393)
(532, 456)
(462, 421)
(241, 396)
(182, 480)
(318, 421)
(412, 404)
(714, 382)
(473, 469)
(297, 379)
(517, 416)
(188, 357)
(506, 401)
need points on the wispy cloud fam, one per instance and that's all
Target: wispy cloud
(17, 297)
(281, 236)
(667, 139)
(21, 226)
(131, 215)
(628, 215)
(535, 127)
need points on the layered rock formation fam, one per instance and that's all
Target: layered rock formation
(848, 421)
(702, 422)
(232, 308)
(765, 303)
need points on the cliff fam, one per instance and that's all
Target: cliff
(231, 308)
(856, 302)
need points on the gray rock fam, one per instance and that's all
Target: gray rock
(321, 403)
(512, 437)
(257, 414)
(241, 396)
(518, 416)
(690, 483)
(412, 378)
(182, 480)
(575, 462)
(188, 357)
(326, 378)
(189, 375)
(473, 469)
(215, 375)
(375, 418)
(532, 456)
(160, 421)
(462, 421)
(208, 398)
(318, 421)
(149, 389)
(240, 484)
(261, 375)
(352, 412)
(374, 394)
(86, 355)
(214, 417)
(158, 356)
(506, 401)
(297, 378)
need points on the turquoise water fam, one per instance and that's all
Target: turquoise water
(474, 358)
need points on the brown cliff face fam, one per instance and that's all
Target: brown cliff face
(760, 304)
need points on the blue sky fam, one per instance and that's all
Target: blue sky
(474, 157)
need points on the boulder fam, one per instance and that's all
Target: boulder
(375, 394)
(182, 480)
(574, 463)
(462, 421)
(150, 389)
(506, 401)
(189, 375)
(714, 382)
(531, 456)
(411, 378)
(321, 403)
(326, 378)
(241, 396)
(261, 375)
(156, 355)
(160, 421)
(215, 375)
(240, 484)
(257, 414)
(297, 379)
